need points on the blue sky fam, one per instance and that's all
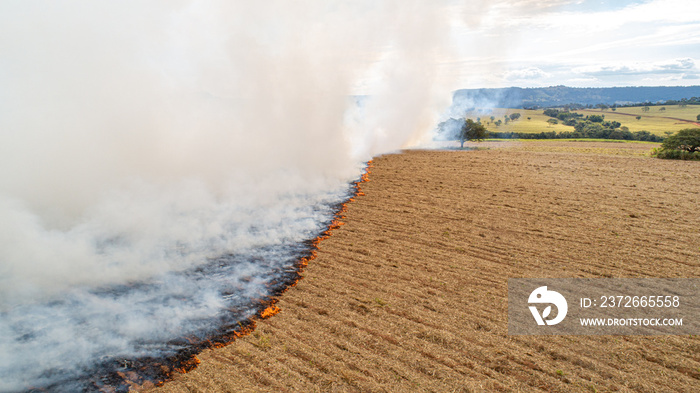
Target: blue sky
(532, 43)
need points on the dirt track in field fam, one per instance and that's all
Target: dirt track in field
(411, 294)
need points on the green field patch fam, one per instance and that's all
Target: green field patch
(530, 121)
(655, 120)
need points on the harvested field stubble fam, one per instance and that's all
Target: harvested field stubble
(411, 294)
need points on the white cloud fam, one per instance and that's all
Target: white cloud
(675, 66)
(554, 42)
(525, 73)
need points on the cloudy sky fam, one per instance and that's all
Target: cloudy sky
(585, 43)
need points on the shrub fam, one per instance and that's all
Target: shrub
(684, 145)
(596, 118)
(676, 154)
(551, 112)
(687, 139)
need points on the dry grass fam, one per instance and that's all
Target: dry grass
(579, 146)
(657, 122)
(411, 294)
(536, 124)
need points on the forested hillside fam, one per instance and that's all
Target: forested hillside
(516, 97)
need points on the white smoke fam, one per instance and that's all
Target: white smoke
(141, 139)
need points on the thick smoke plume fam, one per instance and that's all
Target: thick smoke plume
(143, 140)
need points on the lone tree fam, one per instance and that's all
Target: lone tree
(472, 131)
(514, 116)
(686, 140)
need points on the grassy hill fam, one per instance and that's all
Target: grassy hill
(657, 122)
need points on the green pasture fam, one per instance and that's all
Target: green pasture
(536, 124)
(655, 121)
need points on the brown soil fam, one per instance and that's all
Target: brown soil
(411, 294)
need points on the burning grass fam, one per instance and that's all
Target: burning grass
(147, 372)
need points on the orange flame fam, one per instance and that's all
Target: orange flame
(269, 311)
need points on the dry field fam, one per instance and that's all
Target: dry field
(411, 293)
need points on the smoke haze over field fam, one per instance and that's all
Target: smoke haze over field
(106, 108)
(140, 140)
